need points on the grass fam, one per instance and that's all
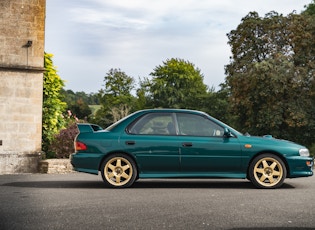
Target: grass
(94, 108)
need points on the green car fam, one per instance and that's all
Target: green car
(176, 143)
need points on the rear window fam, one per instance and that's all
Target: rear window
(153, 124)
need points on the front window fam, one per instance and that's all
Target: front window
(195, 125)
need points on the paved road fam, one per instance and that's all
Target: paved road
(79, 201)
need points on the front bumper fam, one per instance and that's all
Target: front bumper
(300, 166)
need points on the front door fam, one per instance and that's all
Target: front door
(204, 149)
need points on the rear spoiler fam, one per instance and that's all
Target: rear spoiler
(88, 128)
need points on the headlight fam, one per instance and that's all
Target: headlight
(304, 152)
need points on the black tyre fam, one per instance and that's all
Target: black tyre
(119, 171)
(267, 171)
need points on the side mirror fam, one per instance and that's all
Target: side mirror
(227, 133)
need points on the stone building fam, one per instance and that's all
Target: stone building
(22, 30)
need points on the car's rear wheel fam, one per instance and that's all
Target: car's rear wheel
(119, 171)
(267, 171)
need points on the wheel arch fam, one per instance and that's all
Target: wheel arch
(119, 152)
(269, 152)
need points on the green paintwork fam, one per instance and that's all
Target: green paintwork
(183, 156)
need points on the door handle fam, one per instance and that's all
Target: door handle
(187, 144)
(130, 142)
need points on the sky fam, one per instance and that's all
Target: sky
(90, 37)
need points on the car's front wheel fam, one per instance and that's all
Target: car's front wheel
(119, 171)
(267, 171)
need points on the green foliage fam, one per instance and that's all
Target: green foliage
(271, 76)
(312, 150)
(144, 97)
(116, 98)
(70, 97)
(53, 106)
(176, 84)
(81, 110)
(78, 103)
(94, 109)
(310, 9)
(214, 103)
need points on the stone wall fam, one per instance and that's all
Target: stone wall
(55, 166)
(22, 30)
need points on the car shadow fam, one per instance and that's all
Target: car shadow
(207, 184)
(144, 184)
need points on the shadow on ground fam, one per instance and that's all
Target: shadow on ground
(274, 228)
(143, 184)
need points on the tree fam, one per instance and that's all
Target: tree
(215, 104)
(310, 9)
(116, 98)
(176, 84)
(53, 106)
(271, 75)
(77, 103)
(80, 109)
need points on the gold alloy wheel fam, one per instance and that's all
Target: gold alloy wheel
(118, 171)
(268, 171)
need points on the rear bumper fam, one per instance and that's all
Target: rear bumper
(85, 162)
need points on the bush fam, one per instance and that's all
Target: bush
(62, 145)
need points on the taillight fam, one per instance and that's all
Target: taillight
(79, 146)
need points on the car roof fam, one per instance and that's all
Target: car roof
(170, 110)
(139, 113)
